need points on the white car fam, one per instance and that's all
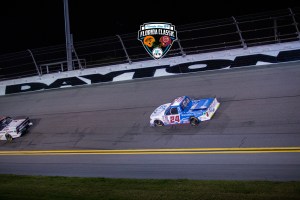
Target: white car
(13, 128)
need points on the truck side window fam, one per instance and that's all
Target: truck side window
(174, 111)
(168, 111)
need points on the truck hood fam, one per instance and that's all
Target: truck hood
(16, 122)
(159, 111)
(201, 104)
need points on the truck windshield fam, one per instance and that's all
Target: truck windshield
(4, 122)
(185, 103)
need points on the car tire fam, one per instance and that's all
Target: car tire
(8, 137)
(194, 121)
(158, 123)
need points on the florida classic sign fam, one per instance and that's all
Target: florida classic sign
(157, 38)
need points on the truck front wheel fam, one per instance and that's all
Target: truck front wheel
(8, 137)
(158, 123)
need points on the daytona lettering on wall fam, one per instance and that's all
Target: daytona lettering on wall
(212, 64)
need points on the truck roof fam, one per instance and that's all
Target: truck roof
(177, 101)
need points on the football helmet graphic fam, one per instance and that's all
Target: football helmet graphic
(165, 40)
(149, 40)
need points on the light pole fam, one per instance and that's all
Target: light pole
(68, 36)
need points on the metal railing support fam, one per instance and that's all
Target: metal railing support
(37, 68)
(180, 47)
(78, 60)
(124, 49)
(295, 23)
(276, 31)
(73, 49)
(240, 33)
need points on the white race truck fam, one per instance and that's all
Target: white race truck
(12, 128)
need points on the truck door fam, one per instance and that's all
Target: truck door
(174, 117)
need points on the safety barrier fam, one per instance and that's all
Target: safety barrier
(226, 59)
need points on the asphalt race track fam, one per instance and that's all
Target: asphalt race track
(259, 108)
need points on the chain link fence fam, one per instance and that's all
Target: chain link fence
(223, 34)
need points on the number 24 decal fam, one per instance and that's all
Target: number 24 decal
(174, 118)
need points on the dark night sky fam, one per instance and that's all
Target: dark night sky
(32, 24)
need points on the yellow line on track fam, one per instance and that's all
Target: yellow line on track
(178, 151)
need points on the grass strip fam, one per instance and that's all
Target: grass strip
(53, 187)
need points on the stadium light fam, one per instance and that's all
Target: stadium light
(68, 36)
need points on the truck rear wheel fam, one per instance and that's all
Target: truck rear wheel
(194, 121)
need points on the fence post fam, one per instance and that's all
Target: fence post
(124, 49)
(295, 23)
(180, 47)
(37, 68)
(240, 33)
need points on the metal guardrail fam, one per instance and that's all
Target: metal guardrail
(229, 33)
(61, 66)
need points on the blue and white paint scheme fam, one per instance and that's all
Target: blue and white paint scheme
(184, 110)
